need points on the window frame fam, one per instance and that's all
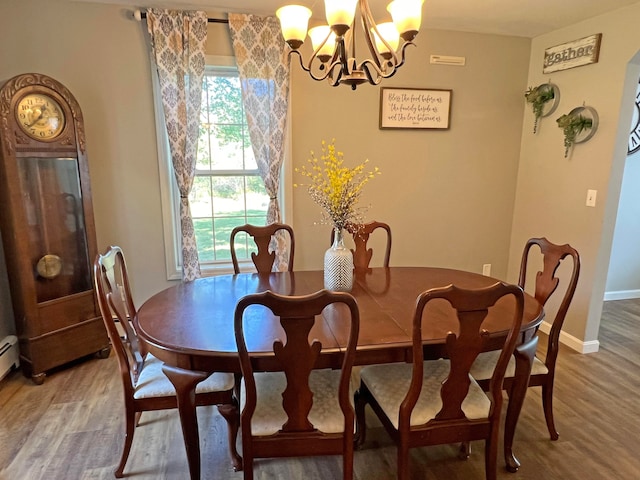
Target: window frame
(170, 197)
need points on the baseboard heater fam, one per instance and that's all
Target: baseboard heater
(9, 358)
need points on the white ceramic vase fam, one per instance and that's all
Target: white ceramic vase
(338, 265)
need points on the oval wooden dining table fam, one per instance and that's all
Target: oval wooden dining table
(189, 327)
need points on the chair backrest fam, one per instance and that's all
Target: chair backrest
(297, 357)
(546, 284)
(116, 304)
(263, 236)
(361, 254)
(462, 348)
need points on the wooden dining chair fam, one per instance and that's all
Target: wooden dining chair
(263, 236)
(437, 402)
(145, 386)
(361, 254)
(302, 408)
(546, 284)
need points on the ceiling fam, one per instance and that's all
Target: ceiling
(523, 18)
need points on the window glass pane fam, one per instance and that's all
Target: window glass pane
(249, 158)
(200, 197)
(204, 237)
(223, 100)
(227, 147)
(227, 190)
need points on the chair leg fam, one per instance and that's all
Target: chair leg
(247, 469)
(465, 450)
(403, 461)
(131, 418)
(231, 414)
(347, 462)
(491, 454)
(360, 398)
(547, 404)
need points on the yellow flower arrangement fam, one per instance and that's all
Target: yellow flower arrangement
(335, 187)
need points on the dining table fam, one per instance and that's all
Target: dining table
(189, 326)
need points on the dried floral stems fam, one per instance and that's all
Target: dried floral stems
(335, 187)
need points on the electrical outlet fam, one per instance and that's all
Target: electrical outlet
(486, 269)
(591, 198)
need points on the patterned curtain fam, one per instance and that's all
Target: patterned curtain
(177, 43)
(263, 65)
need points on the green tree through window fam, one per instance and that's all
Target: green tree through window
(227, 189)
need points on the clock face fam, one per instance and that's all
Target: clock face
(40, 116)
(634, 136)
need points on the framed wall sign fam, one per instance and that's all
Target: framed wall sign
(419, 108)
(576, 53)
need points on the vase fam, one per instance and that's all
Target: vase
(338, 265)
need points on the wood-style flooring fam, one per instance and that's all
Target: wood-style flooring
(71, 427)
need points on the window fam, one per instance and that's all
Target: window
(227, 189)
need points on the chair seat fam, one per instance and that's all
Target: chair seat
(389, 384)
(152, 381)
(269, 416)
(482, 368)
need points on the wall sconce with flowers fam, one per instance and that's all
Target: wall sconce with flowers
(578, 126)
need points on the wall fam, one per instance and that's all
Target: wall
(448, 195)
(551, 189)
(623, 279)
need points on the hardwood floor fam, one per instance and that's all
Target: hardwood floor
(71, 427)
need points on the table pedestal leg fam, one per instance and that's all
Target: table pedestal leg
(185, 382)
(524, 355)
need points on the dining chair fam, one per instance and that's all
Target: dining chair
(361, 254)
(436, 401)
(546, 284)
(301, 408)
(145, 386)
(263, 236)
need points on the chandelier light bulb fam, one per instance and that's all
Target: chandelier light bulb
(340, 14)
(294, 20)
(407, 16)
(318, 35)
(389, 33)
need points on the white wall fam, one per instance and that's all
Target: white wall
(623, 279)
(551, 189)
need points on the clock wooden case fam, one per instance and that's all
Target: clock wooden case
(47, 224)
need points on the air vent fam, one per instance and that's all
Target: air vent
(447, 60)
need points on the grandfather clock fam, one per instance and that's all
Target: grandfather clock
(47, 224)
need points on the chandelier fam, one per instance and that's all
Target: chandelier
(334, 45)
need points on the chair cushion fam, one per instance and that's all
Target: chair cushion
(389, 384)
(152, 381)
(269, 416)
(482, 368)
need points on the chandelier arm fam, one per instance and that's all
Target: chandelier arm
(307, 68)
(365, 68)
(367, 22)
(402, 54)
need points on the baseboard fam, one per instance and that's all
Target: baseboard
(573, 342)
(621, 295)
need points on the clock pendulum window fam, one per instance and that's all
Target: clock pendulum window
(47, 224)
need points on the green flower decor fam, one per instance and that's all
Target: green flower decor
(572, 125)
(538, 97)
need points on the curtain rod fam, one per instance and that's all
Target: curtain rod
(139, 16)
